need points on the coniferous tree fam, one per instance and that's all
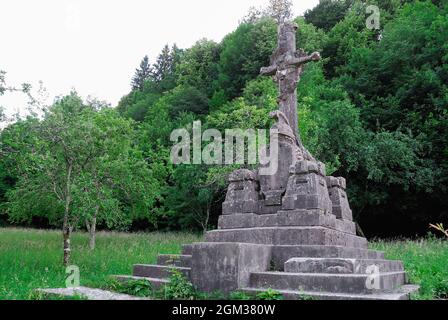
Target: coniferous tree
(141, 74)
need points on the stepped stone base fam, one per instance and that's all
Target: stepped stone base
(298, 272)
(296, 218)
(404, 293)
(314, 235)
(341, 266)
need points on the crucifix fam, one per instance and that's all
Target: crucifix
(286, 68)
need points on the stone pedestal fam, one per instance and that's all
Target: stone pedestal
(341, 208)
(225, 267)
(242, 193)
(307, 188)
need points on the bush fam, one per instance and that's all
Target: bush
(238, 295)
(179, 288)
(138, 288)
(270, 295)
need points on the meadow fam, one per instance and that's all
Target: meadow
(31, 259)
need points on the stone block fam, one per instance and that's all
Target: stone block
(344, 283)
(307, 188)
(340, 265)
(273, 187)
(287, 236)
(242, 193)
(227, 266)
(282, 253)
(338, 196)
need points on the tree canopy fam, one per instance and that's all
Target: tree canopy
(374, 110)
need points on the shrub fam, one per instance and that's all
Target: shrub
(238, 295)
(270, 295)
(179, 288)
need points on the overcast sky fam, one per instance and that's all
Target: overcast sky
(94, 46)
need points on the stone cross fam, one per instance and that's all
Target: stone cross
(286, 67)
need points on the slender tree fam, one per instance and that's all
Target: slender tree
(280, 10)
(142, 74)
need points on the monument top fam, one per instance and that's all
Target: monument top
(286, 67)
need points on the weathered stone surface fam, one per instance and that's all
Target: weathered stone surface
(177, 260)
(242, 193)
(273, 186)
(338, 196)
(281, 254)
(345, 283)
(287, 236)
(89, 294)
(286, 68)
(307, 188)
(187, 249)
(227, 266)
(339, 265)
(403, 293)
(298, 218)
(157, 271)
(346, 226)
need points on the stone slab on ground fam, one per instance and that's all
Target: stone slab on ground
(90, 294)
(403, 293)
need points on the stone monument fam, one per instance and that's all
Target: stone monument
(292, 231)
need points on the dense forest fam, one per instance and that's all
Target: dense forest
(374, 109)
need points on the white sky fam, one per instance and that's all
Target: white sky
(94, 46)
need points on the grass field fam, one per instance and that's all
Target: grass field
(31, 259)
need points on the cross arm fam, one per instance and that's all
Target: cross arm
(268, 71)
(315, 56)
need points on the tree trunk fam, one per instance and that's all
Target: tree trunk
(66, 229)
(66, 232)
(92, 231)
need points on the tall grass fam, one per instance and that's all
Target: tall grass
(425, 261)
(31, 259)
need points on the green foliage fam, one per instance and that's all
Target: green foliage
(305, 297)
(327, 13)
(78, 163)
(424, 261)
(186, 99)
(257, 41)
(39, 263)
(269, 294)
(138, 288)
(179, 288)
(239, 295)
(141, 74)
(198, 67)
(374, 110)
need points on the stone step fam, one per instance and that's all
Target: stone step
(404, 293)
(281, 254)
(341, 266)
(287, 236)
(326, 282)
(177, 260)
(155, 283)
(295, 218)
(187, 249)
(156, 271)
